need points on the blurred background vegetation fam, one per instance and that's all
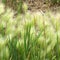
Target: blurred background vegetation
(17, 4)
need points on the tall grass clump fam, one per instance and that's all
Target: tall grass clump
(33, 36)
(17, 5)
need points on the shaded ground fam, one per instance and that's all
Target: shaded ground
(42, 5)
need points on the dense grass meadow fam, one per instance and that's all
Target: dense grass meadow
(33, 36)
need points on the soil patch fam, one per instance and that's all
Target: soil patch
(42, 5)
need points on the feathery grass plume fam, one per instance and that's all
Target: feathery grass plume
(33, 36)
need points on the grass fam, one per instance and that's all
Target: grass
(16, 5)
(30, 36)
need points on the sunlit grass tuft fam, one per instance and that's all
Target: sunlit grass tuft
(33, 36)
